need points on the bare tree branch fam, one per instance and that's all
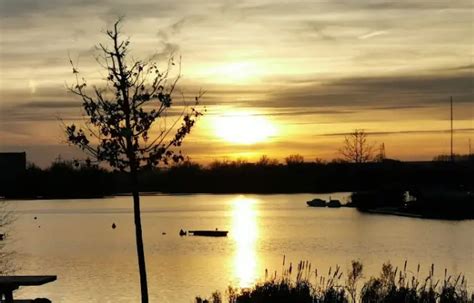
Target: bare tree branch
(356, 148)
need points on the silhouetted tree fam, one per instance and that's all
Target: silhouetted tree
(320, 161)
(294, 160)
(454, 157)
(121, 117)
(266, 161)
(356, 148)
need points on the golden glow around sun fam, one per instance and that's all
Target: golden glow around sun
(238, 72)
(243, 128)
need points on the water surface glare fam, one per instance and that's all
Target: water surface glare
(74, 240)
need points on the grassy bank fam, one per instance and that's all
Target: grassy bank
(307, 285)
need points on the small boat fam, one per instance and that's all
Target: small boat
(316, 203)
(323, 203)
(334, 203)
(209, 233)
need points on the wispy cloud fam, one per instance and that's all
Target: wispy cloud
(373, 34)
(404, 132)
(385, 91)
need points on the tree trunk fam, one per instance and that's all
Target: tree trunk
(139, 238)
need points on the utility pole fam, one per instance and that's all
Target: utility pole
(452, 152)
(382, 151)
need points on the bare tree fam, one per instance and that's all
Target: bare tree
(126, 121)
(267, 161)
(356, 148)
(294, 160)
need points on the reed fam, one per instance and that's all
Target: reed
(304, 284)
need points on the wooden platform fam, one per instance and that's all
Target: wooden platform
(26, 280)
(10, 283)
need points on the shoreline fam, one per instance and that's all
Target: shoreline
(157, 193)
(394, 212)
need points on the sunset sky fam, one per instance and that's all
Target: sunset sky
(281, 77)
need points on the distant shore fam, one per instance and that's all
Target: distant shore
(401, 213)
(64, 180)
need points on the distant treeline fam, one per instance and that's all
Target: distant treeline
(67, 179)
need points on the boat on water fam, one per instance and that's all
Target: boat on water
(208, 233)
(323, 203)
(316, 203)
(334, 204)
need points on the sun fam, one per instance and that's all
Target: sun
(244, 128)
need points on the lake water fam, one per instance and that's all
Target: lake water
(73, 239)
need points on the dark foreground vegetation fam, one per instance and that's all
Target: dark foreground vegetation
(65, 179)
(393, 285)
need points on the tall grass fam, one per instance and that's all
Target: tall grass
(306, 285)
(7, 265)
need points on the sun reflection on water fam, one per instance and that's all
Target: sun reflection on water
(245, 232)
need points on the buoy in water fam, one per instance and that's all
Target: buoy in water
(113, 225)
